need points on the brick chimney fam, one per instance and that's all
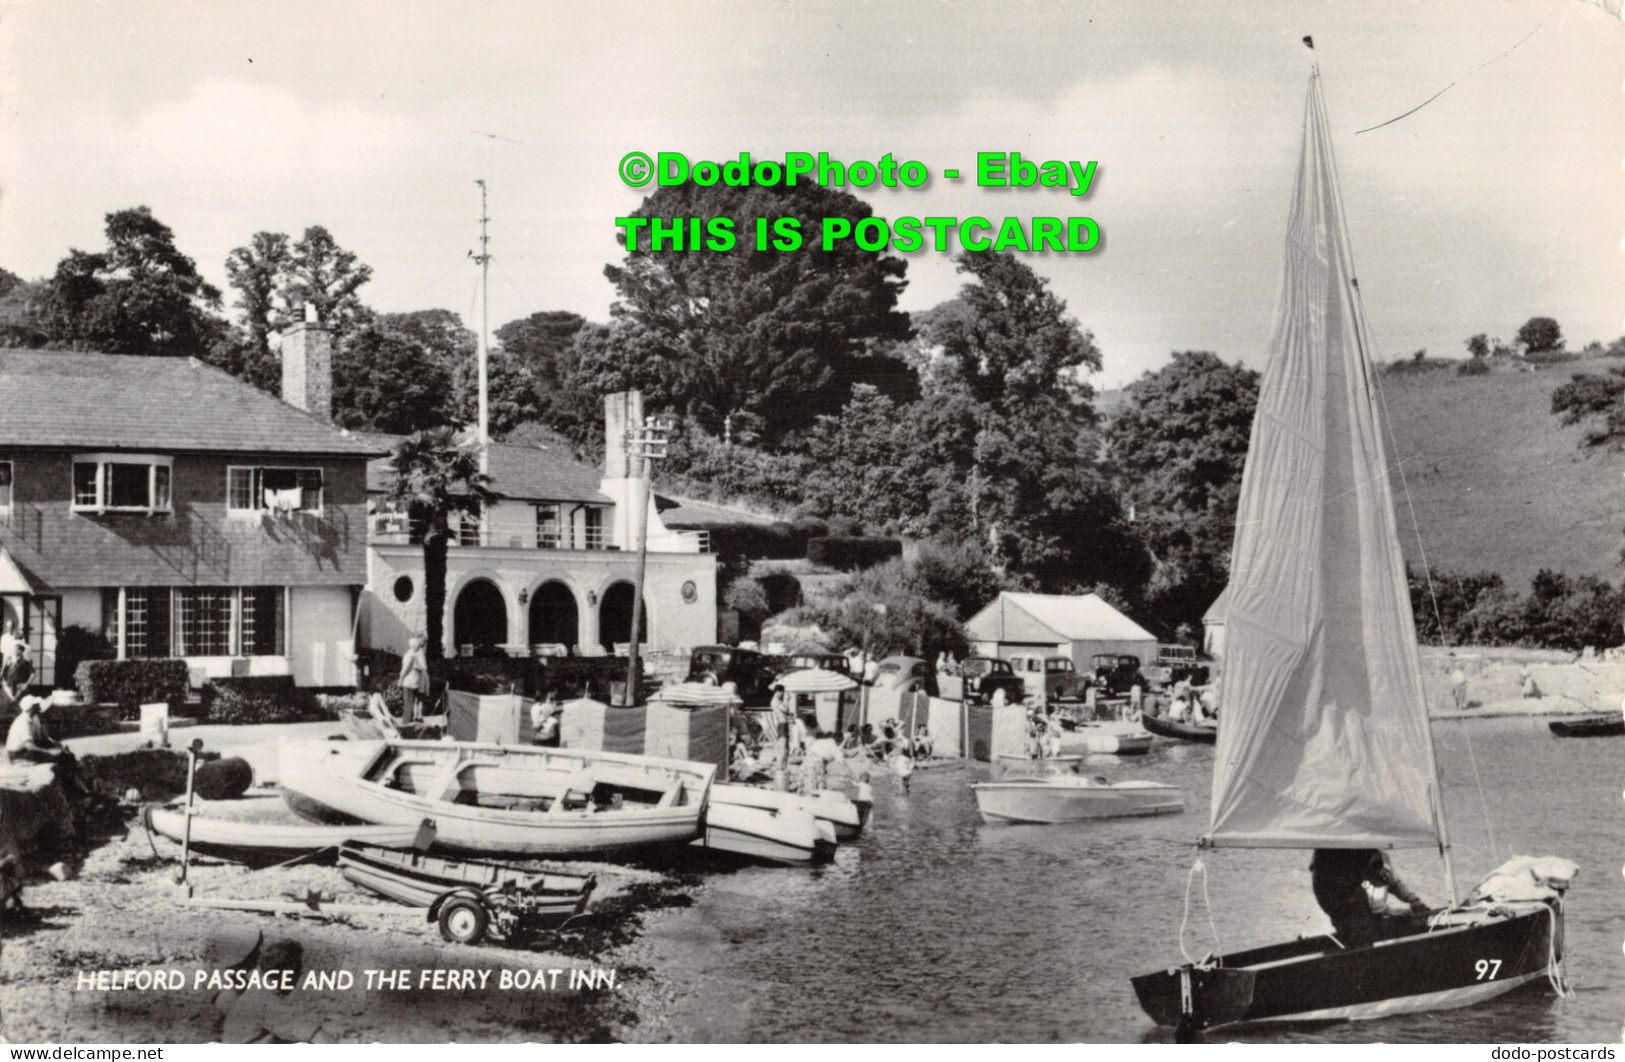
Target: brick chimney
(306, 349)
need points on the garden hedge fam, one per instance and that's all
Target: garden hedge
(852, 553)
(132, 683)
(253, 699)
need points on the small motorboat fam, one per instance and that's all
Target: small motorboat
(1611, 724)
(1090, 738)
(775, 835)
(831, 806)
(1069, 798)
(1163, 726)
(269, 843)
(550, 898)
(521, 800)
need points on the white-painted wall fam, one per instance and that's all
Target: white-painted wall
(319, 644)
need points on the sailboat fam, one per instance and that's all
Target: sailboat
(1325, 742)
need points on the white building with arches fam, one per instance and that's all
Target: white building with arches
(550, 564)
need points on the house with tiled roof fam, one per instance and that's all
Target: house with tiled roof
(179, 512)
(550, 565)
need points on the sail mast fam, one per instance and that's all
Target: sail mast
(1362, 338)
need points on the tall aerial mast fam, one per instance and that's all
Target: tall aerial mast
(484, 260)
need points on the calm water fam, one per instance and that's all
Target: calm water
(936, 927)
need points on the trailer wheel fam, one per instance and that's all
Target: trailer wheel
(463, 921)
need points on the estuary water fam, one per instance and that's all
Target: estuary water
(933, 926)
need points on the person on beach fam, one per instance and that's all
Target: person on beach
(1340, 876)
(1526, 683)
(16, 673)
(1458, 687)
(414, 679)
(902, 765)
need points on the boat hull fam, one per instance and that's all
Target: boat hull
(827, 805)
(1167, 728)
(1313, 980)
(1105, 744)
(1610, 725)
(265, 843)
(1054, 799)
(369, 782)
(417, 880)
(774, 836)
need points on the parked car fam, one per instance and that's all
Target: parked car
(1049, 677)
(984, 675)
(745, 668)
(836, 662)
(907, 673)
(1114, 674)
(1175, 663)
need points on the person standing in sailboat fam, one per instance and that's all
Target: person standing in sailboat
(1340, 877)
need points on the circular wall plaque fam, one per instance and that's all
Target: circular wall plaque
(691, 593)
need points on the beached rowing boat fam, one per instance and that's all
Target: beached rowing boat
(494, 799)
(550, 898)
(268, 843)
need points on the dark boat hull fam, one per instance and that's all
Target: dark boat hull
(1610, 725)
(1182, 731)
(417, 880)
(1313, 980)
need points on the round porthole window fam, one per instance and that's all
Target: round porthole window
(403, 589)
(691, 593)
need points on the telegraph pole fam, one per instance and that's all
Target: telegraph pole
(647, 443)
(484, 261)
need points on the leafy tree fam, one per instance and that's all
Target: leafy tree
(886, 610)
(1444, 603)
(386, 382)
(782, 335)
(1478, 346)
(258, 271)
(320, 273)
(435, 476)
(139, 296)
(1176, 451)
(1014, 342)
(24, 321)
(1540, 335)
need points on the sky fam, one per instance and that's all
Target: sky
(1502, 199)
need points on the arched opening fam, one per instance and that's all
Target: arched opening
(553, 616)
(481, 616)
(615, 617)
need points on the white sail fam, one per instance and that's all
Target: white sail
(1323, 741)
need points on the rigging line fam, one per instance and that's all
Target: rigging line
(1465, 76)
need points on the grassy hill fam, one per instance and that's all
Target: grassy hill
(1496, 482)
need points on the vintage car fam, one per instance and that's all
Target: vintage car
(1049, 678)
(982, 676)
(1175, 663)
(836, 662)
(745, 668)
(907, 673)
(1114, 674)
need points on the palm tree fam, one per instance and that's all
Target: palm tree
(435, 476)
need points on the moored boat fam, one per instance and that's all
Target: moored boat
(1610, 725)
(774, 835)
(268, 843)
(1090, 738)
(831, 806)
(1162, 726)
(500, 800)
(1057, 798)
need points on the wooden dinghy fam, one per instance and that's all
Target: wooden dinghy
(1162, 726)
(499, 800)
(1609, 725)
(418, 880)
(269, 843)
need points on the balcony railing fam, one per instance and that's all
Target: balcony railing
(395, 528)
